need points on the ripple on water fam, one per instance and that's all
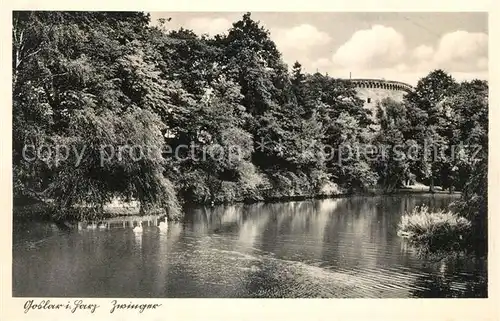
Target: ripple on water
(267, 276)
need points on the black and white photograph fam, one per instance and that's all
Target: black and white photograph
(249, 154)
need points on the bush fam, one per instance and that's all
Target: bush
(330, 189)
(435, 231)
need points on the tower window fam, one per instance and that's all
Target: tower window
(369, 100)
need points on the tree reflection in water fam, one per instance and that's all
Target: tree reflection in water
(451, 281)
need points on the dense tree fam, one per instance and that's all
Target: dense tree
(87, 84)
(393, 163)
(430, 124)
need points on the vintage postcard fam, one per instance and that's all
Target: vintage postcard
(253, 155)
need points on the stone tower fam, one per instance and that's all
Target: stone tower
(372, 91)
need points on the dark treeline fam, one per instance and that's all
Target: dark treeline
(91, 79)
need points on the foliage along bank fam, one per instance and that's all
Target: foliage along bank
(92, 79)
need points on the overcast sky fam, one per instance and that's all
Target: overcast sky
(395, 46)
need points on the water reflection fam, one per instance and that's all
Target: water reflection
(327, 248)
(455, 279)
(138, 240)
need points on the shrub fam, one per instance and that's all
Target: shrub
(435, 230)
(330, 189)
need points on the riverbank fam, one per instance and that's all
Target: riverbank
(43, 211)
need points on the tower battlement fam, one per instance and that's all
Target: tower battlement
(372, 91)
(381, 84)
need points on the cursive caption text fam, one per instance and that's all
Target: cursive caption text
(80, 305)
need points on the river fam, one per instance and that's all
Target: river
(333, 248)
